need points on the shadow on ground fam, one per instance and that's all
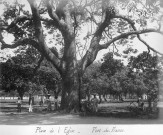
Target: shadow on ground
(53, 118)
(108, 114)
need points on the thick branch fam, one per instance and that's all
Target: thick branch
(101, 28)
(94, 48)
(38, 65)
(22, 19)
(124, 35)
(53, 15)
(19, 43)
(138, 36)
(61, 18)
(40, 37)
(36, 19)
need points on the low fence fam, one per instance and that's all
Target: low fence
(26, 98)
(13, 97)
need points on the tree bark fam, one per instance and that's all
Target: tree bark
(20, 92)
(70, 93)
(21, 95)
(104, 96)
(70, 76)
(100, 98)
(149, 103)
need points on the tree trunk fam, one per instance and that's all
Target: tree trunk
(149, 103)
(104, 96)
(100, 98)
(70, 94)
(21, 93)
(126, 96)
(21, 97)
(88, 94)
(70, 77)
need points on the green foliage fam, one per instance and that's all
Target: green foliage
(15, 77)
(110, 65)
(94, 81)
(112, 77)
(23, 28)
(18, 73)
(130, 50)
(149, 67)
(143, 61)
(26, 55)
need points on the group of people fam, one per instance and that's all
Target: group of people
(94, 102)
(90, 106)
(49, 105)
(31, 103)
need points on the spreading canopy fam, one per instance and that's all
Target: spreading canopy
(109, 22)
(29, 24)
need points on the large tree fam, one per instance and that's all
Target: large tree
(15, 77)
(67, 17)
(20, 73)
(111, 65)
(150, 69)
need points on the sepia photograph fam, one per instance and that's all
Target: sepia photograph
(81, 62)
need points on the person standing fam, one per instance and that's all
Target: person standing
(19, 102)
(94, 100)
(56, 103)
(49, 107)
(31, 104)
(139, 102)
(41, 102)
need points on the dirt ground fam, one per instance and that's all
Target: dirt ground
(11, 117)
